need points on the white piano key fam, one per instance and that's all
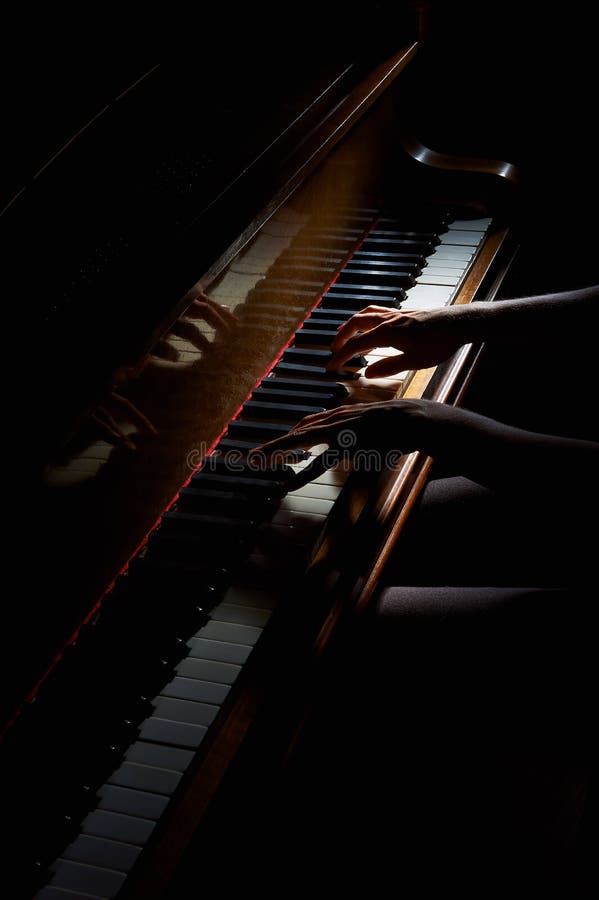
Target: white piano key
(182, 688)
(241, 596)
(455, 272)
(208, 670)
(145, 778)
(430, 277)
(297, 503)
(241, 614)
(51, 892)
(450, 251)
(481, 224)
(462, 238)
(335, 476)
(179, 734)
(447, 263)
(186, 711)
(289, 517)
(158, 755)
(102, 852)
(427, 296)
(229, 633)
(93, 880)
(115, 798)
(117, 827)
(317, 490)
(219, 650)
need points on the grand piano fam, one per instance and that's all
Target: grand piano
(190, 287)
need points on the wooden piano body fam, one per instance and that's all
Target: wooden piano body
(353, 165)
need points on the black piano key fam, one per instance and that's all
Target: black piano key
(430, 237)
(198, 578)
(400, 245)
(213, 529)
(280, 410)
(367, 276)
(411, 262)
(253, 483)
(261, 431)
(314, 336)
(360, 301)
(240, 448)
(318, 357)
(188, 547)
(323, 323)
(321, 312)
(275, 474)
(271, 395)
(288, 368)
(370, 292)
(305, 384)
(227, 502)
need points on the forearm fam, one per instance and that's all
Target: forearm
(552, 317)
(503, 458)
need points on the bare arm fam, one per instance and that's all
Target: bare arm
(544, 467)
(429, 337)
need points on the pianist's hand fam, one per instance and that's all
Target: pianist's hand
(403, 425)
(425, 337)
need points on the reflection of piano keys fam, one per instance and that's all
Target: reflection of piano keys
(277, 530)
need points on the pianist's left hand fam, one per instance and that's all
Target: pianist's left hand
(489, 452)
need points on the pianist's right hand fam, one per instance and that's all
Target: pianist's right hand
(425, 337)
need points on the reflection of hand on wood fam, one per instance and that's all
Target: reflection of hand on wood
(119, 407)
(220, 317)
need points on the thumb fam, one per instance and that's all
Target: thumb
(391, 366)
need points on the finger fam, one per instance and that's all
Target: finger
(362, 321)
(390, 366)
(294, 440)
(361, 343)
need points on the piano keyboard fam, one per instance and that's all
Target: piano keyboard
(215, 568)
